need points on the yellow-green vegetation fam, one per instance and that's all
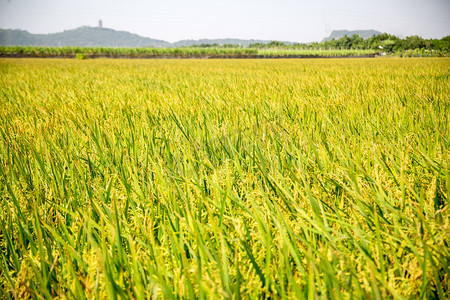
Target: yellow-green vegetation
(188, 52)
(209, 179)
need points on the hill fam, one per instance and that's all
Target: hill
(337, 34)
(245, 43)
(103, 37)
(82, 37)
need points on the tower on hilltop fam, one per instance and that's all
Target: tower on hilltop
(100, 23)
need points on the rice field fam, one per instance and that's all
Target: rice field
(209, 179)
(186, 52)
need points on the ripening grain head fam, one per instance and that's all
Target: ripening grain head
(206, 179)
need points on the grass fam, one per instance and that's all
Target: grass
(314, 53)
(306, 179)
(187, 52)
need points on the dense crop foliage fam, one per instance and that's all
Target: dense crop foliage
(313, 53)
(216, 179)
(125, 52)
(383, 42)
(187, 52)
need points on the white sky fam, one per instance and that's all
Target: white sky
(286, 20)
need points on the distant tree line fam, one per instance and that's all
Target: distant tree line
(381, 43)
(354, 46)
(387, 43)
(215, 45)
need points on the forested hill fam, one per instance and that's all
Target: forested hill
(104, 37)
(244, 43)
(82, 37)
(337, 34)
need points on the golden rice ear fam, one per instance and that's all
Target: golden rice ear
(271, 178)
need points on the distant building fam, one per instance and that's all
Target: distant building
(100, 23)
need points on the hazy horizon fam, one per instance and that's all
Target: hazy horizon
(285, 20)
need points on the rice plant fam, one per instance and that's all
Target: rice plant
(283, 179)
(188, 52)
